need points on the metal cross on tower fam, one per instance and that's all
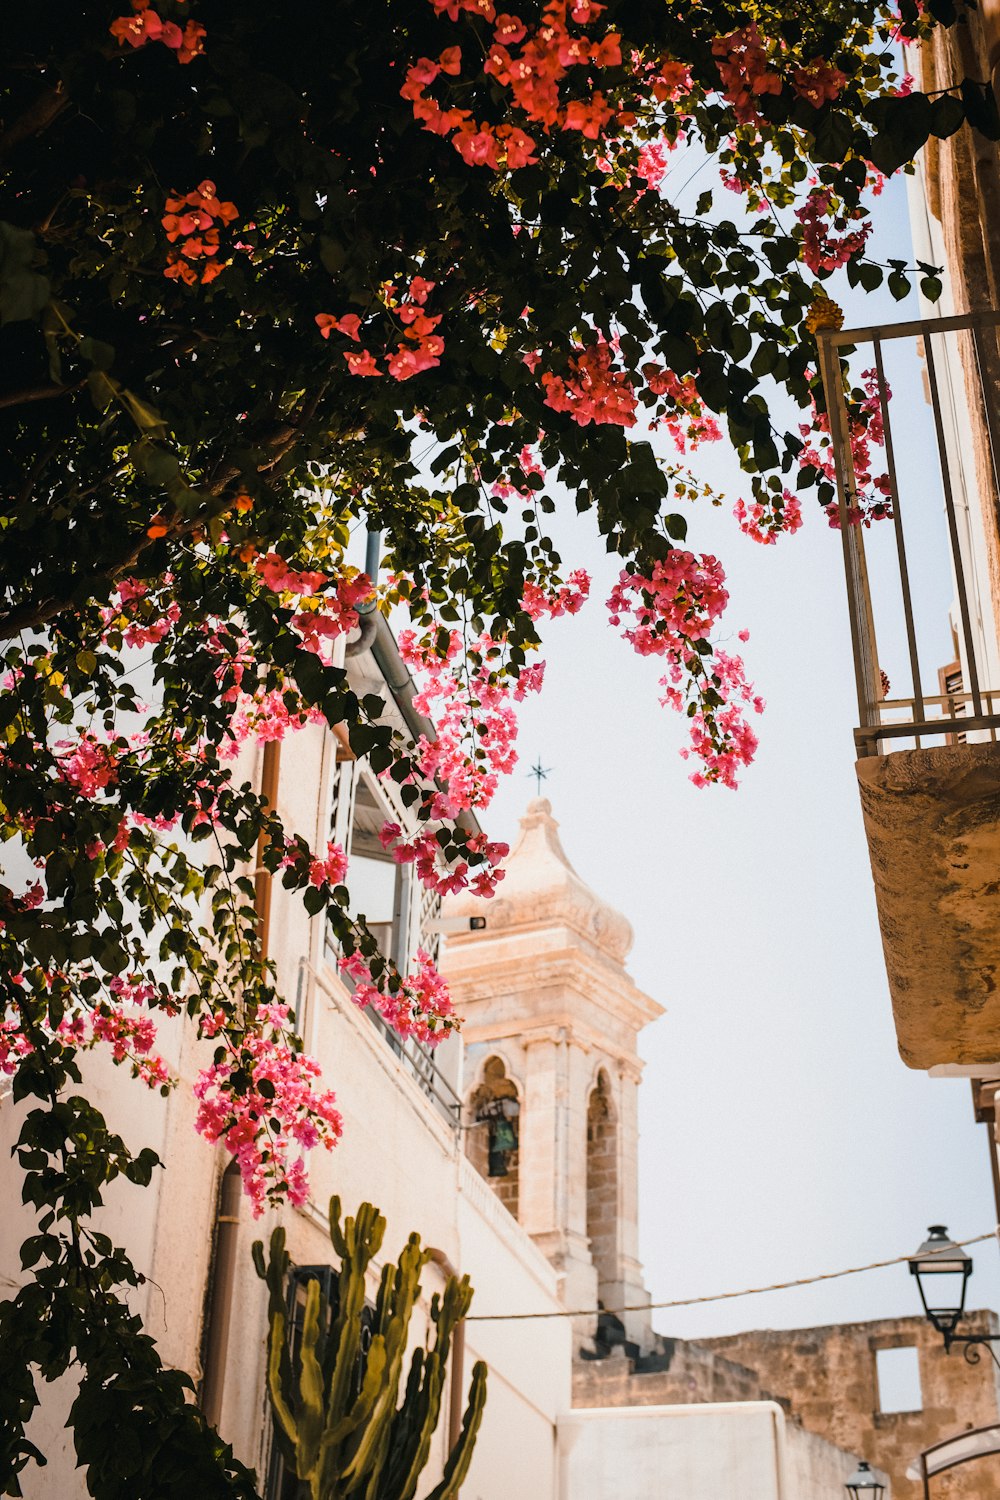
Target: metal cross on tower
(540, 774)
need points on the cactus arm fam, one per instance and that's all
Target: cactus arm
(358, 1415)
(368, 1451)
(361, 1238)
(277, 1386)
(426, 1419)
(402, 1290)
(336, 1233)
(405, 1432)
(311, 1404)
(457, 1468)
(279, 1367)
(368, 1445)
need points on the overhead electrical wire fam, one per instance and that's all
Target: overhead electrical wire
(750, 1291)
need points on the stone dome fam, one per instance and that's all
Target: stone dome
(540, 888)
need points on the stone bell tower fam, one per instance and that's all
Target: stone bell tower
(552, 1070)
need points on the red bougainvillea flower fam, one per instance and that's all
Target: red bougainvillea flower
(349, 325)
(191, 223)
(147, 25)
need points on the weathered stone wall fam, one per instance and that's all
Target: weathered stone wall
(962, 176)
(829, 1375)
(602, 1186)
(677, 1375)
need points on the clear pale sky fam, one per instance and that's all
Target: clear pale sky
(781, 1133)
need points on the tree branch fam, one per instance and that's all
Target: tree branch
(37, 393)
(37, 612)
(36, 118)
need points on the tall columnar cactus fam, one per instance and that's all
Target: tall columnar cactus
(351, 1442)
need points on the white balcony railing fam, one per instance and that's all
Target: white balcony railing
(939, 463)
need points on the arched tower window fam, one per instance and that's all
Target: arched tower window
(491, 1140)
(602, 1181)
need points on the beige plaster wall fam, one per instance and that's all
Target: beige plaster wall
(397, 1151)
(738, 1451)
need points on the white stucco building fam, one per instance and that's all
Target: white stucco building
(511, 1150)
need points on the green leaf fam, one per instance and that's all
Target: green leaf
(981, 110)
(314, 900)
(947, 116)
(96, 353)
(146, 417)
(834, 136)
(902, 126)
(23, 290)
(103, 389)
(898, 285)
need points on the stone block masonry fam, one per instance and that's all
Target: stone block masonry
(826, 1380)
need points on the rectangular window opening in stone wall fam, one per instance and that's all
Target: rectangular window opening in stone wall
(897, 1380)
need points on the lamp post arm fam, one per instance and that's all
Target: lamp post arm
(972, 1343)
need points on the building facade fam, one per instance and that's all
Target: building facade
(511, 1149)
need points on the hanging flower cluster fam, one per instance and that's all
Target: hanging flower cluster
(327, 604)
(191, 222)
(467, 693)
(87, 764)
(120, 1021)
(872, 499)
(683, 414)
(531, 64)
(260, 1100)
(331, 870)
(819, 82)
(765, 523)
(748, 69)
(147, 25)
(518, 482)
(745, 70)
(562, 599)
(141, 619)
(825, 243)
(721, 736)
(420, 1007)
(593, 391)
(267, 716)
(323, 607)
(420, 347)
(423, 851)
(673, 608)
(652, 164)
(475, 724)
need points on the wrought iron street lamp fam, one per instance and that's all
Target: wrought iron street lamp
(864, 1485)
(942, 1269)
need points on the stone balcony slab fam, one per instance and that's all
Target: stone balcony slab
(932, 819)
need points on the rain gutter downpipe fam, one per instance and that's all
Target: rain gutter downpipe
(403, 689)
(222, 1272)
(222, 1285)
(368, 608)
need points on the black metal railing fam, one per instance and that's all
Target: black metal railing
(970, 708)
